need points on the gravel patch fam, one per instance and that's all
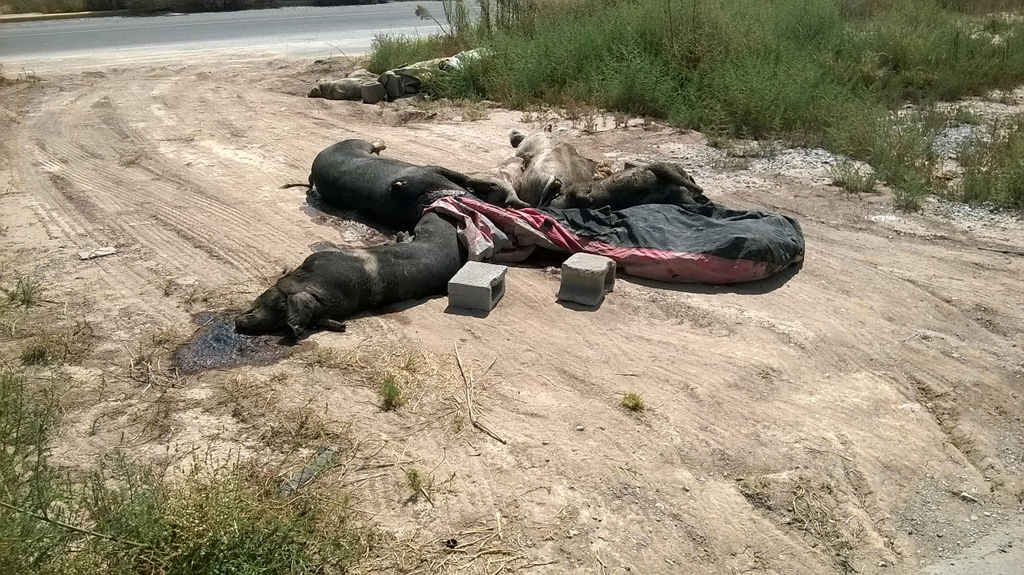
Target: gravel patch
(811, 165)
(948, 143)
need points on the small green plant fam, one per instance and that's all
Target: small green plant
(458, 422)
(390, 393)
(414, 479)
(25, 293)
(909, 195)
(56, 345)
(993, 169)
(414, 362)
(27, 419)
(962, 115)
(847, 175)
(634, 402)
(417, 484)
(899, 147)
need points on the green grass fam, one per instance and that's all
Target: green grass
(220, 519)
(25, 293)
(811, 72)
(994, 167)
(633, 401)
(417, 484)
(27, 419)
(127, 519)
(390, 393)
(388, 51)
(414, 480)
(851, 178)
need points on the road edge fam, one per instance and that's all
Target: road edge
(34, 16)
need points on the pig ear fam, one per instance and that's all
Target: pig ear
(300, 312)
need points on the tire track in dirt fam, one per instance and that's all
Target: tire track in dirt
(116, 190)
(259, 136)
(84, 197)
(43, 178)
(112, 192)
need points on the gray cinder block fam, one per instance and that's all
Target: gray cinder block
(477, 286)
(586, 278)
(372, 92)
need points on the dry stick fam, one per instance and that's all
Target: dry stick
(492, 551)
(505, 564)
(1001, 251)
(532, 565)
(383, 465)
(469, 401)
(362, 479)
(71, 527)
(520, 495)
(432, 421)
(488, 370)
(350, 61)
(423, 491)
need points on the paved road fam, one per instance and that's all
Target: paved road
(296, 31)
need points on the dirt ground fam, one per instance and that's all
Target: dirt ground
(860, 414)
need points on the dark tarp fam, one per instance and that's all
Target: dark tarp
(697, 243)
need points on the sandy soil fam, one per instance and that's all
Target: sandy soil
(861, 414)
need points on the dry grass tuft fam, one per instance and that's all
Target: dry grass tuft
(812, 504)
(61, 345)
(634, 402)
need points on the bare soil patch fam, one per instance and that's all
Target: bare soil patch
(861, 414)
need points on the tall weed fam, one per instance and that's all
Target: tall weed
(817, 72)
(994, 166)
(126, 519)
(387, 51)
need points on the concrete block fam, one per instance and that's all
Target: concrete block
(477, 286)
(393, 86)
(372, 92)
(586, 278)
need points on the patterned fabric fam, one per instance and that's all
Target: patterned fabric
(671, 243)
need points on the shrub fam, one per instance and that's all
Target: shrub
(813, 72)
(848, 176)
(633, 402)
(993, 166)
(390, 393)
(388, 51)
(25, 293)
(124, 518)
